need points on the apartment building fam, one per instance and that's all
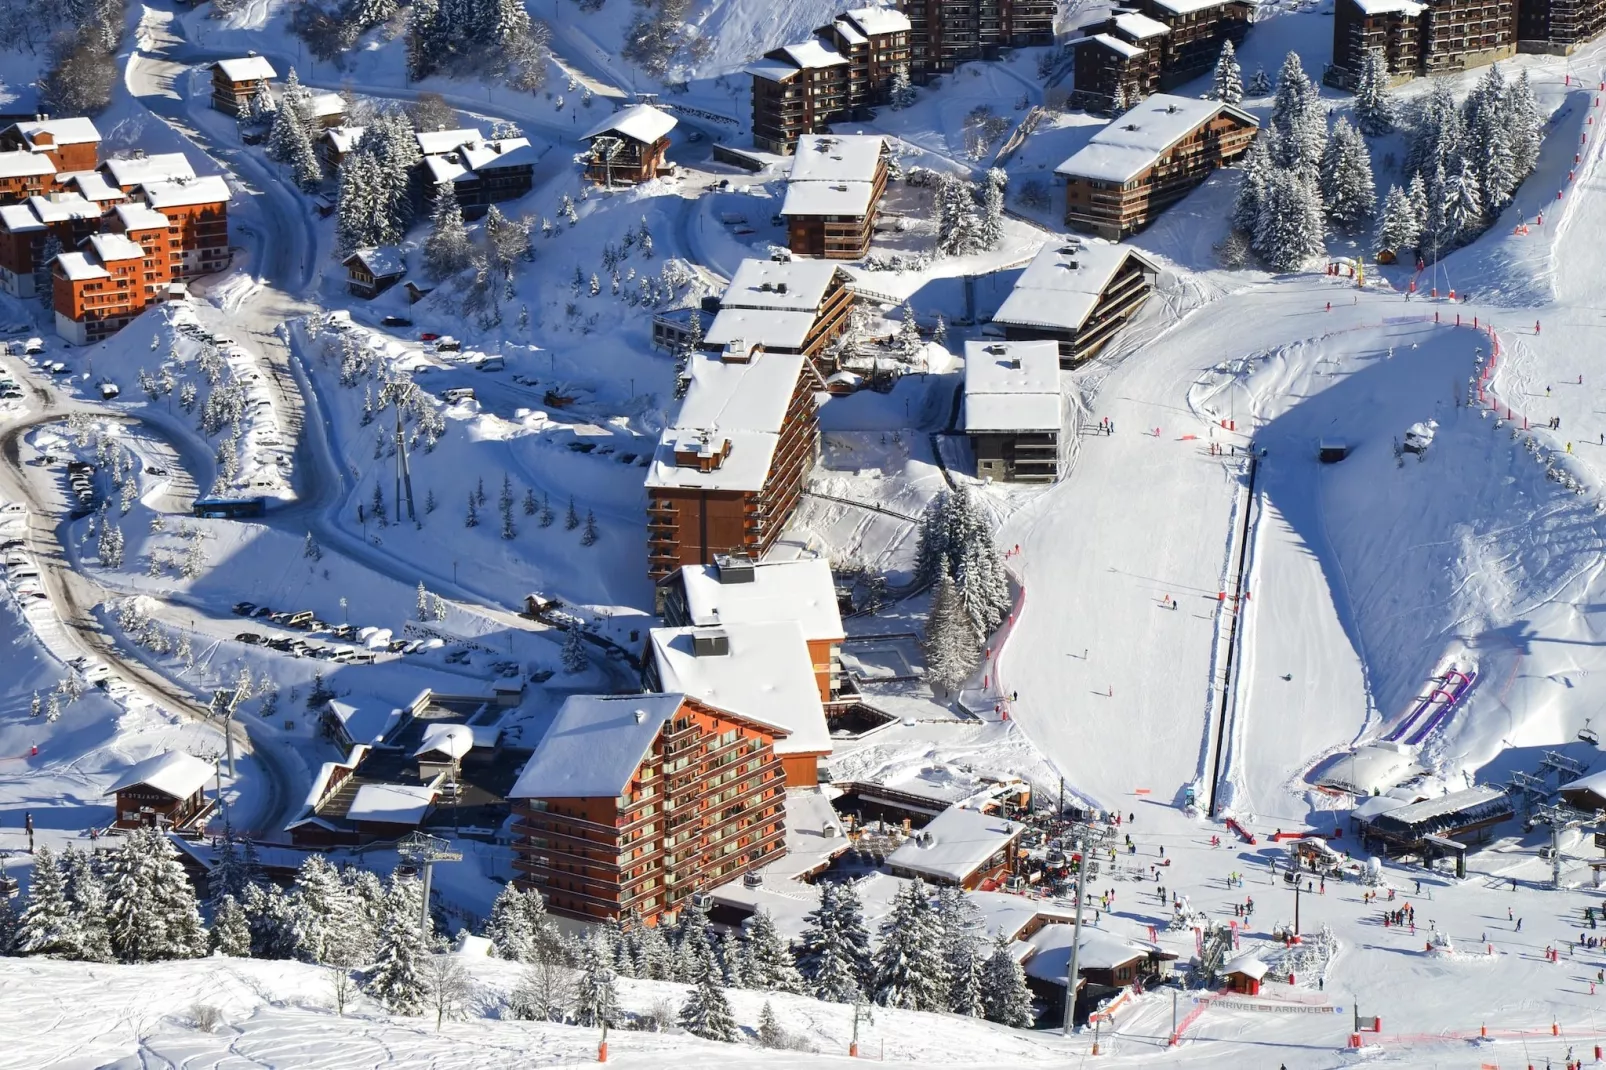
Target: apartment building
(832, 194)
(1196, 30)
(1135, 53)
(69, 144)
(1013, 410)
(103, 286)
(24, 174)
(1558, 26)
(946, 33)
(1077, 294)
(482, 172)
(631, 804)
(727, 475)
(845, 69)
(1418, 39)
(128, 173)
(199, 208)
(1148, 159)
(796, 306)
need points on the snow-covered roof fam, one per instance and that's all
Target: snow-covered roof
(955, 844)
(639, 122)
(739, 396)
(1429, 810)
(78, 267)
(594, 746)
(111, 247)
(76, 130)
(1248, 964)
(92, 186)
(1594, 782)
(772, 70)
(383, 262)
(1139, 27)
(1061, 285)
(172, 193)
(814, 53)
(1188, 7)
(452, 740)
(1375, 767)
(850, 33)
(19, 218)
(503, 152)
(790, 285)
(434, 142)
(878, 20)
(1012, 386)
(837, 158)
(344, 138)
(444, 169)
(140, 217)
(1051, 952)
(745, 467)
(20, 163)
(60, 207)
(1132, 143)
(760, 326)
(1378, 804)
(1114, 44)
(129, 171)
(327, 104)
(767, 676)
(828, 198)
(802, 591)
(367, 721)
(394, 804)
(246, 69)
(1389, 7)
(1009, 913)
(172, 773)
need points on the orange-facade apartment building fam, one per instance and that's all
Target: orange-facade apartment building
(631, 804)
(69, 144)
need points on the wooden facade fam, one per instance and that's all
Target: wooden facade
(691, 525)
(1110, 70)
(370, 273)
(236, 82)
(846, 69)
(1419, 39)
(1113, 209)
(1362, 26)
(634, 163)
(706, 804)
(946, 33)
(142, 806)
(1558, 26)
(836, 235)
(1197, 34)
(69, 144)
(23, 175)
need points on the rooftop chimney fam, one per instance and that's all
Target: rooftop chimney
(712, 643)
(641, 715)
(734, 568)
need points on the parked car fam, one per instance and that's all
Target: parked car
(244, 609)
(248, 638)
(261, 611)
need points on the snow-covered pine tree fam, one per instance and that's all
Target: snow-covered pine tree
(596, 1000)
(939, 331)
(151, 909)
(573, 653)
(835, 947)
(654, 958)
(909, 970)
(706, 1012)
(267, 912)
(1257, 168)
(321, 910)
(1298, 125)
(1374, 107)
(1435, 223)
(519, 928)
(9, 923)
(1260, 83)
(1400, 227)
(589, 536)
(1289, 230)
(1227, 85)
(694, 951)
(976, 582)
(957, 919)
(902, 91)
(1005, 997)
(1416, 192)
(397, 979)
(990, 228)
(86, 894)
(1524, 125)
(48, 925)
(471, 519)
(290, 127)
(909, 342)
(769, 961)
(950, 638)
(357, 204)
(447, 250)
(1348, 192)
(1440, 134)
(770, 1033)
(396, 157)
(504, 504)
(1488, 157)
(1463, 213)
(231, 933)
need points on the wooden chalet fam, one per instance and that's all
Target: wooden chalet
(1586, 793)
(370, 272)
(832, 194)
(163, 791)
(960, 848)
(1106, 964)
(631, 804)
(727, 475)
(236, 82)
(1148, 159)
(763, 671)
(1012, 410)
(1079, 294)
(737, 590)
(25, 174)
(630, 146)
(336, 142)
(796, 306)
(1244, 974)
(69, 144)
(482, 172)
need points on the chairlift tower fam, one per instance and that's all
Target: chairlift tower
(423, 851)
(1085, 840)
(404, 476)
(224, 703)
(1560, 818)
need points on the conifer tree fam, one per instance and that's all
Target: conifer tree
(1399, 227)
(588, 537)
(48, 925)
(1227, 84)
(471, 519)
(769, 961)
(1298, 126)
(573, 653)
(909, 963)
(909, 342)
(596, 1000)
(267, 912)
(770, 1033)
(356, 207)
(151, 909)
(1435, 223)
(1374, 107)
(397, 979)
(990, 228)
(957, 919)
(706, 1013)
(1289, 230)
(1463, 212)
(835, 947)
(950, 639)
(1257, 168)
(231, 933)
(1005, 997)
(447, 250)
(902, 90)
(1348, 191)
(86, 893)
